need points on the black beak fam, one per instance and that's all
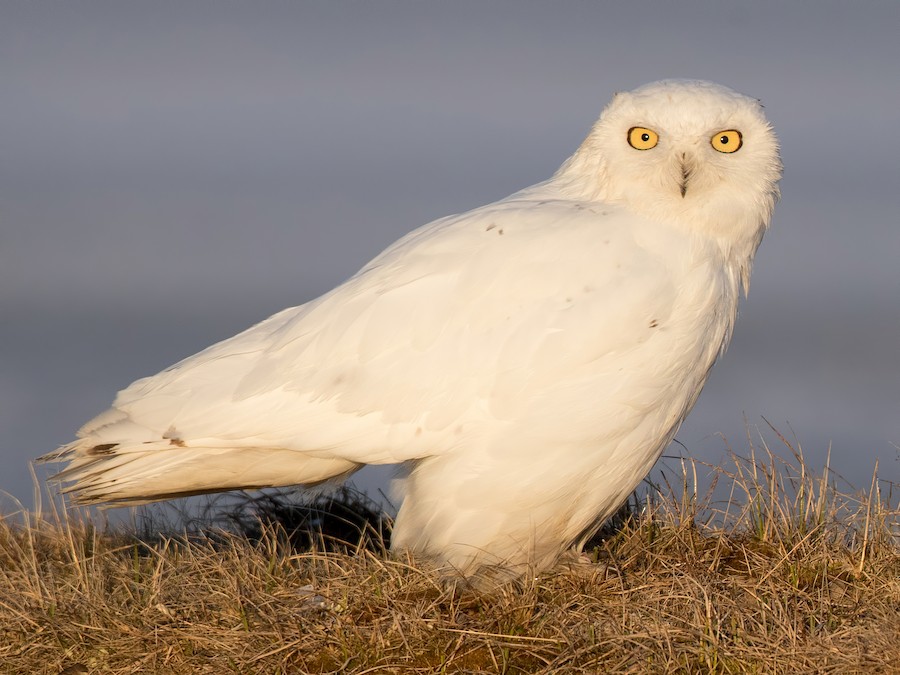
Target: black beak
(685, 174)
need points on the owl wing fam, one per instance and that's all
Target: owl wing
(454, 327)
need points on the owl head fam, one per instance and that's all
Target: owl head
(686, 152)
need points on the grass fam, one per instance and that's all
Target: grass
(789, 574)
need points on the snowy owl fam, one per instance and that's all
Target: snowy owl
(528, 361)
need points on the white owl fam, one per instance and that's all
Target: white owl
(529, 360)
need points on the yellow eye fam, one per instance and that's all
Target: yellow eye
(727, 141)
(641, 138)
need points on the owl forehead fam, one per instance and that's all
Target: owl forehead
(678, 109)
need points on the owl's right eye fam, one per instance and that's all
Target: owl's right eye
(642, 138)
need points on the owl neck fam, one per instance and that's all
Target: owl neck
(736, 224)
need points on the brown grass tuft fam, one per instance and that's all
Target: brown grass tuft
(789, 575)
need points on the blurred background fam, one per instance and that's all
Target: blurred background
(171, 172)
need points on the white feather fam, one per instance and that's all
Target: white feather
(533, 357)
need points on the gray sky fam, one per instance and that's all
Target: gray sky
(172, 172)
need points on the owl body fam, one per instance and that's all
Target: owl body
(528, 360)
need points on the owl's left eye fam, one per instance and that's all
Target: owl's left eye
(727, 141)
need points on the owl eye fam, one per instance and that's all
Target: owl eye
(727, 141)
(641, 138)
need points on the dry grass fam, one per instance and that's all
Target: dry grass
(791, 576)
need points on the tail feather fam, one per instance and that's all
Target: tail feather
(129, 474)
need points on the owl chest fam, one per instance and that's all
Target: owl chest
(661, 328)
(663, 376)
(667, 299)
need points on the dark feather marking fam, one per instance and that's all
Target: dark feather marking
(102, 449)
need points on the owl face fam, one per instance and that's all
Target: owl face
(683, 150)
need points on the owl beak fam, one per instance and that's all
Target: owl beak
(686, 170)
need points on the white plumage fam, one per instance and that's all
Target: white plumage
(531, 358)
